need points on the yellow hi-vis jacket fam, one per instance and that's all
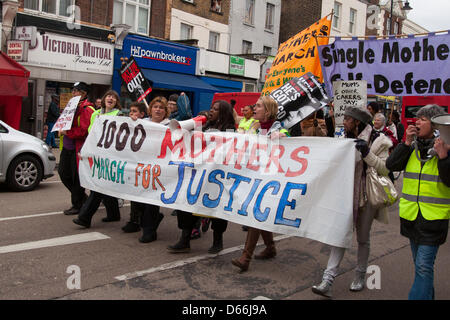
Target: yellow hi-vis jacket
(424, 190)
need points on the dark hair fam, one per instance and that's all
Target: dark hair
(233, 103)
(225, 119)
(375, 106)
(395, 115)
(173, 97)
(140, 105)
(111, 93)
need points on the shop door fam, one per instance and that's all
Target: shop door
(28, 119)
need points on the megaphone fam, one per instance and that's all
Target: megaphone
(442, 123)
(176, 126)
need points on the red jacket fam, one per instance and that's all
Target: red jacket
(80, 125)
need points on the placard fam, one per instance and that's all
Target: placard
(65, 119)
(134, 80)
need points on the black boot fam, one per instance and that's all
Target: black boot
(217, 243)
(183, 245)
(149, 233)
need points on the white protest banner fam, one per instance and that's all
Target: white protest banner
(348, 93)
(300, 186)
(65, 119)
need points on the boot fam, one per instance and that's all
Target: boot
(149, 233)
(324, 288)
(270, 251)
(358, 282)
(217, 243)
(183, 245)
(250, 244)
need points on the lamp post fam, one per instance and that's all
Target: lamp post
(406, 7)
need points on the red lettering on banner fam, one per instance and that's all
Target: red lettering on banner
(167, 143)
(202, 138)
(302, 161)
(275, 158)
(254, 156)
(239, 152)
(220, 141)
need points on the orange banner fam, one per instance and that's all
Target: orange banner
(297, 56)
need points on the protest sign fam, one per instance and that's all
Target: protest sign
(297, 56)
(348, 93)
(413, 66)
(134, 80)
(301, 186)
(65, 119)
(298, 98)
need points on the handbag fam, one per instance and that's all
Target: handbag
(380, 190)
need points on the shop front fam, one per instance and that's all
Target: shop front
(55, 63)
(170, 67)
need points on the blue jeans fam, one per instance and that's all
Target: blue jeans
(50, 140)
(423, 286)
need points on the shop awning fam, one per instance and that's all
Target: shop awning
(177, 81)
(13, 77)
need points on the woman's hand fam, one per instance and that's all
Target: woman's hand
(411, 132)
(277, 135)
(441, 148)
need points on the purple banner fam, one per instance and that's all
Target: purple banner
(413, 66)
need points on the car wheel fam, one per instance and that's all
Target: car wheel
(24, 173)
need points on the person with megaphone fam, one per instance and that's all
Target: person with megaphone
(425, 202)
(220, 119)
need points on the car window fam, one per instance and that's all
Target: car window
(3, 129)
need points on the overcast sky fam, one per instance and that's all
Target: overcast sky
(433, 15)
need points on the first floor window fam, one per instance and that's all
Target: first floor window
(186, 31)
(213, 41)
(246, 47)
(57, 7)
(135, 13)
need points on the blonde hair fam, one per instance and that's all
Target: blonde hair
(270, 106)
(161, 100)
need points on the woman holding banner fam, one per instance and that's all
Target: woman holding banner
(374, 150)
(220, 119)
(265, 111)
(110, 106)
(151, 216)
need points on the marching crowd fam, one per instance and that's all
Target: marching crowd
(424, 203)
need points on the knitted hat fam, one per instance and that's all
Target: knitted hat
(360, 114)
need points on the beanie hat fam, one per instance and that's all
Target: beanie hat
(82, 86)
(360, 114)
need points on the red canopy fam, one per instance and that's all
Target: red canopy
(13, 77)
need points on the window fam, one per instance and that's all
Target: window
(186, 31)
(270, 12)
(351, 27)
(337, 15)
(216, 5)
(135, 13)
(249, 11)
(267, 50)
(249, 87)
(56, 7)
(213, 40)
(246, 47)
(396, 28)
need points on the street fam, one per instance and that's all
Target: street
(115, 265)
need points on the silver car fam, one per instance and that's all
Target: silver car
(24, 160)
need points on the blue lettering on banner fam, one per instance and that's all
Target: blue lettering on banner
(192, 198)
(259, 215)
(284, 202)
(207, 202)
(181, 167)
(243, 210)
(213, 178)
(237, 180)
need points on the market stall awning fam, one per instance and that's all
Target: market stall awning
(13, 77)
(177, 81)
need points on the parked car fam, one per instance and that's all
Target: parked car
(24, 159)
